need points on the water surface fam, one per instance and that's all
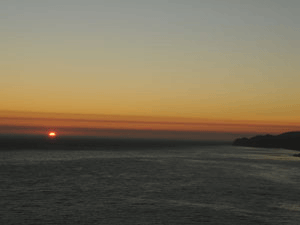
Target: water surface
(193, 185)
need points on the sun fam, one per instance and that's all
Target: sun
(52, 134)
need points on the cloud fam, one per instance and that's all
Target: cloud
(121, 133)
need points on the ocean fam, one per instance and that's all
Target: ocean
(184, 185)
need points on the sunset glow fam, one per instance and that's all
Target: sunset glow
(200, 66)
(52, 134)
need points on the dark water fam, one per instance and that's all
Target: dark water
(196, 185)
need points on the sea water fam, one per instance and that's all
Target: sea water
(187, 185)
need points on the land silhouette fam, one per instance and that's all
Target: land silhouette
(290, 140)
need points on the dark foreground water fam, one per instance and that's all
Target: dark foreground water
(195, 185)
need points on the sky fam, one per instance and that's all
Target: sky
(199, 63)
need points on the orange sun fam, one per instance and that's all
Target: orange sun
(52, 134)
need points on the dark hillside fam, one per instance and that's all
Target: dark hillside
(290, 140)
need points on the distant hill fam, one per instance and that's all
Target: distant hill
(290, 140)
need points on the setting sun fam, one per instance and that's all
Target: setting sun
(52, 134)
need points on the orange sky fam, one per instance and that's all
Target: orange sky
(136, 126)
(198, 66)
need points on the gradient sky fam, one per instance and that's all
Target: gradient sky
(216, 61)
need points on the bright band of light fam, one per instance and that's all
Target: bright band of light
(52, 134)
